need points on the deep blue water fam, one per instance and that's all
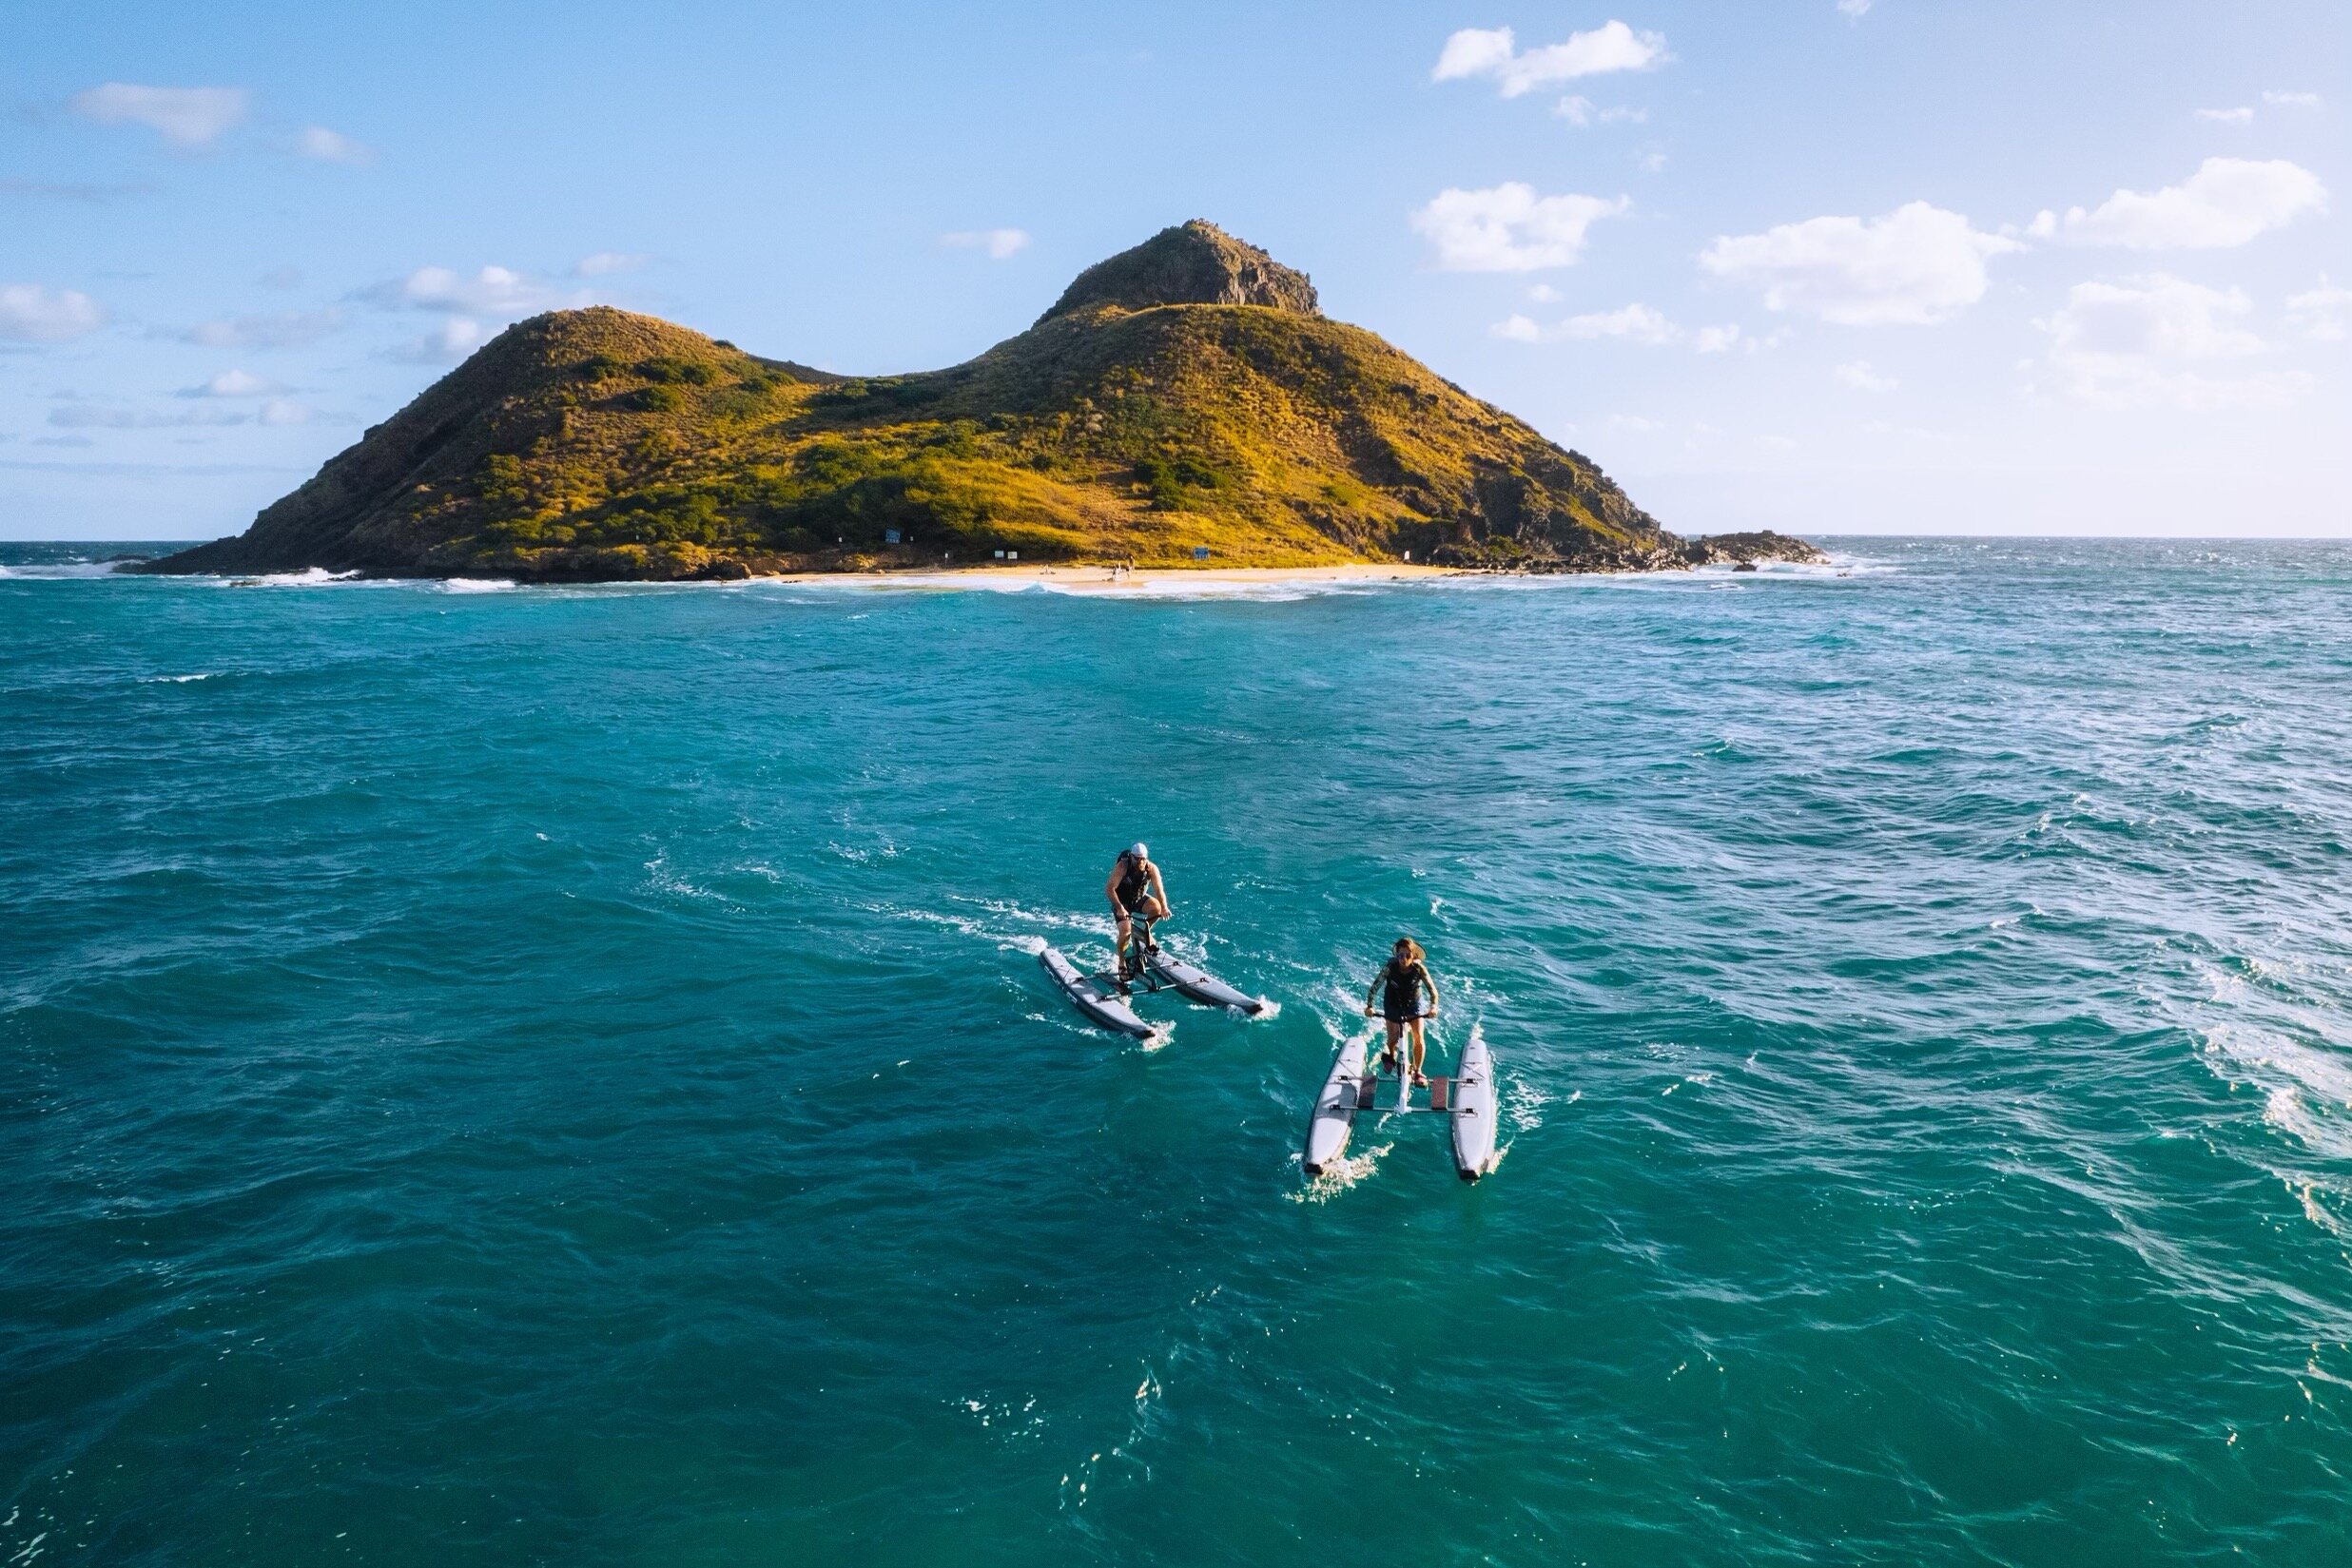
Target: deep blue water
(559, 1076)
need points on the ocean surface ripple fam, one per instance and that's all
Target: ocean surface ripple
(556, 1075)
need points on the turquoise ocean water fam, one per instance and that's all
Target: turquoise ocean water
(560, 1077)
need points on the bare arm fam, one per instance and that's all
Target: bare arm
(1160, 889)
(1429, 980)
(1110, 887)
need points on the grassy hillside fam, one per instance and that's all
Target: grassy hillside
(1128, 424)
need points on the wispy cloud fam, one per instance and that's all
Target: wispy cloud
(79, 415)
(1854, 10)
(604, 263)
(1494, 52)
(32, 314)
(1637, 324)
(1580, 111)
(2155, 343)
(2295, 100)
(452, 340)
(285, 329)
(2322, 313)
(2241, 116)
(1916, 265)
(1511, 228)
(1000, 243)
(190, 117)
(233, 383)
(1858, 374)
(492, 291)
(332, 147)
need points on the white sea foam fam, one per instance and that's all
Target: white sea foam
(2308, 1089)
(1340, 1175)
(177, 680)
(58, 571)
(1523, 1104)
(477, 585)
(317, 576)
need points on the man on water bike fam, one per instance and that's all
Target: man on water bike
(1136, 894)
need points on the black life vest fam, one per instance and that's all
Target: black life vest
(1134, 882)
(1401, 985)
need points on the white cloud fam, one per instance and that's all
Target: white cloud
(1858, 374)
(1483, 51)
(1580, 112)
(1633, 323)
(31, 313)
(190, 116)
(2141, 344)
(2227, 202)
(1000, 243)
(492, 291)
(2324, 313)
(281, 411)
(1917, 264)
(332, 147)
(1650, 159)
(606, 263)
(1855, 10)
(287, 329)
(1636, 322)
(455, 337)
(1543, 293)
(233, 383)
(2295, 100)
(1510, 228)
(2228, 117)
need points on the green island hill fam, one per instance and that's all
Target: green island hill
(1186, 396)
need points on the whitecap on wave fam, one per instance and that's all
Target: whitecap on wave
(58, 571)
(2308, 1089)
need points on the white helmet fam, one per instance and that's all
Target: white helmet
(1137, 851)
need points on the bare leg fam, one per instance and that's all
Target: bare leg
(1420, 1049)
(1388, 1058)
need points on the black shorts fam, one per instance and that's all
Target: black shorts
(1400, 1010)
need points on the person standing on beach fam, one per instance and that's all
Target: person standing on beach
(1399, 985)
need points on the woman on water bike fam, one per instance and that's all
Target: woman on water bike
(1399, 985)
(1136, 894)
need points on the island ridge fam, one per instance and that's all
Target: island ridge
(1185, 402)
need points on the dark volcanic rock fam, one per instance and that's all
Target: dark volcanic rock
(1194, 264)
(1747, 549)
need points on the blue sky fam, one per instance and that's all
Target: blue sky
(1820, 265)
